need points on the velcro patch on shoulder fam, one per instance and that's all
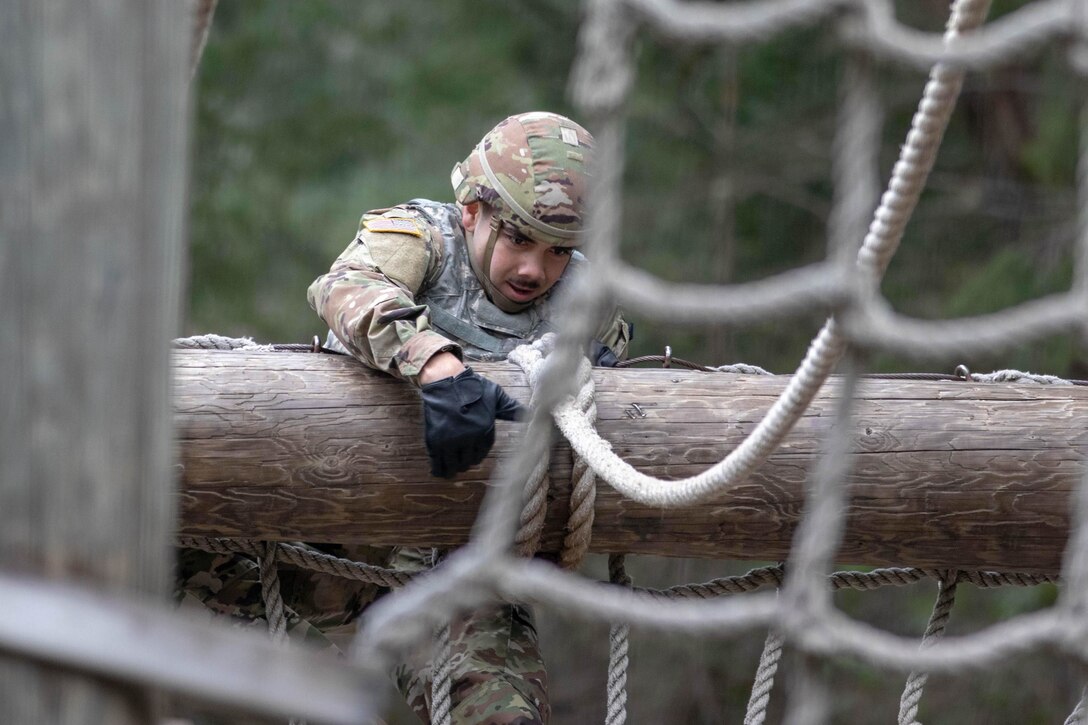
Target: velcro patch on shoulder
(396, 226)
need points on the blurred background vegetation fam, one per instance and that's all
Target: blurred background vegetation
(310, 113)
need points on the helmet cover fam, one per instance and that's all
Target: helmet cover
(531, 169)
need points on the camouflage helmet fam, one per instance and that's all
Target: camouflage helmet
(531, 169)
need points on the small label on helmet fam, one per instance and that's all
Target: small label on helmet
(456, 176)
(569, 135)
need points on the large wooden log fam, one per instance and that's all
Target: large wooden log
(945, 474)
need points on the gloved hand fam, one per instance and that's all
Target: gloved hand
(459, 420)
(601, 355)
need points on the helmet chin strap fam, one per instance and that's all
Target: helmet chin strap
(486, 220)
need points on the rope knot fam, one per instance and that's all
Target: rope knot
(532, 359)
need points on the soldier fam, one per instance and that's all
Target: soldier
(426, 286)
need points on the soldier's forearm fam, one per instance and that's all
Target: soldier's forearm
(442, 365)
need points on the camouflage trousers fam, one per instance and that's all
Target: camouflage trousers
(498, 673)
(321, 610)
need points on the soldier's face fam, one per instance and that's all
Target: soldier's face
(522, 269)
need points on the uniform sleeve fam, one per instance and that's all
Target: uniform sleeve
(615, 333)
(368, 296)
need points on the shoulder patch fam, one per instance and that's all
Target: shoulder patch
(396, 226)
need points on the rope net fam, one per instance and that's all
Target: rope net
(791, 603)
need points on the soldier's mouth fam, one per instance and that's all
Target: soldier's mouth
(522, 292)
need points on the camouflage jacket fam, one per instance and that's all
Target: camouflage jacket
(404, 290)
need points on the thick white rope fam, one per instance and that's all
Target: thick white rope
(1026, 30)
(874, 28)
(898, 202)
(583, 495)
(830, 634)
(535, 506)
(583, 480)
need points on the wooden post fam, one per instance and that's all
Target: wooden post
(93, 164)
(944, 474)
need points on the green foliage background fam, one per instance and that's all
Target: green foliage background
(310, 113)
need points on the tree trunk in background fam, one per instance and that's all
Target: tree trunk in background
(92, 201)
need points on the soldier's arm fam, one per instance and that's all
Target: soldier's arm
(615, 334)
(368, 298)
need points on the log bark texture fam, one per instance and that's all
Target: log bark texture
(295, 446)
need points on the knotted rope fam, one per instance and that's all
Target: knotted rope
(583, 479)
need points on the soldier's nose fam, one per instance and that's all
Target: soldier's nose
(531, 270)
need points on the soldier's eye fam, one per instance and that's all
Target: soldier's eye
(520, 241)
(562, 251)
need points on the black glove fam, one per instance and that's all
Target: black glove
(601, 355)
(459, 420)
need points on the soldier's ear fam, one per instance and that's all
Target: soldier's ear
(470, 214)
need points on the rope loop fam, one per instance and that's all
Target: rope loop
(530, 358)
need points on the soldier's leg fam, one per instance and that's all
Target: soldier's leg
(498, 673)
(321, 610)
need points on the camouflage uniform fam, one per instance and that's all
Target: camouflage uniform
(498, 672)
(405, 289)
(393, 299)
(321, 609)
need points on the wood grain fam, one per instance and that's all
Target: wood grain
(295, 446)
